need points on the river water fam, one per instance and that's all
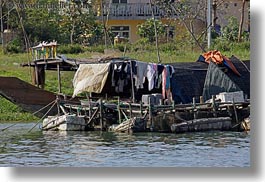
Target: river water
(19, 147)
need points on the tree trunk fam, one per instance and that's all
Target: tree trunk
(72, 33)
(241, 21)
(214, 13)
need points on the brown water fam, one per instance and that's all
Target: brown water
(18, 147)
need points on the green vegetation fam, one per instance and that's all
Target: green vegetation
(10, 112)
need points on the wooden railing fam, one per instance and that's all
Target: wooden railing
(115, 11)
(131, 10)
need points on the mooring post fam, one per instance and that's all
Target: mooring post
(214, 106)
(119, 109)
(101, 114)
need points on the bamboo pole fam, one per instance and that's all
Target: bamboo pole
(150, 114)
(132, 84)
(58, 104)
(141, 108)
(156, 36)
(101, 114)
(59, 78)
(194, 108)
(119, 111)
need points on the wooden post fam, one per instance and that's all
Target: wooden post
(89, 105)
(201, 100)
(101, 114)
(173, 104)
(234, 107)
(59, 78)
(130, 108)
(141, 109)
(58, 104)
(213, 106)
(194, 108)
(36, 75)
(150, 114)
(132, 84)
(90, 108)
(119, 109)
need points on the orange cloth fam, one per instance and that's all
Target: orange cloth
(216, 57)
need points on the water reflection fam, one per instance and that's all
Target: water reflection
(18, 147)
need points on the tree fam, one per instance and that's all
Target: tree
(241, 21)
(185, 11)
(147, 29)
(76, 21)
(230, 31)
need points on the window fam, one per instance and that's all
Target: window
(119, 1)
(123, 31)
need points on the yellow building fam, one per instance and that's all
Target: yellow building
(123, 16)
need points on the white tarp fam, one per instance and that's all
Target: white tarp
(90, 78)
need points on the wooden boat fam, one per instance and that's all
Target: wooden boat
(27, 96)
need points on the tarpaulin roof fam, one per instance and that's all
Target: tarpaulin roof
(216, 81)
(90, 78)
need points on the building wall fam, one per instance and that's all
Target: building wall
(179, 29)
(132, 25)
(233, 8)
(226, 10)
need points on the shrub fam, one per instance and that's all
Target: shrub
(95, 48)
(222, 45)
(70, 49)
(15, 46)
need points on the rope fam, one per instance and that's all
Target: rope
(8, 127)
(43, 107)
(42, 117)
(244, 65)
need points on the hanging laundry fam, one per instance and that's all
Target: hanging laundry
(164, 76)
(151, 73)
(120, 72)
(141, 74)
(158, 79)
(166, 81)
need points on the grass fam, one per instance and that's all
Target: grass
(10, 66)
